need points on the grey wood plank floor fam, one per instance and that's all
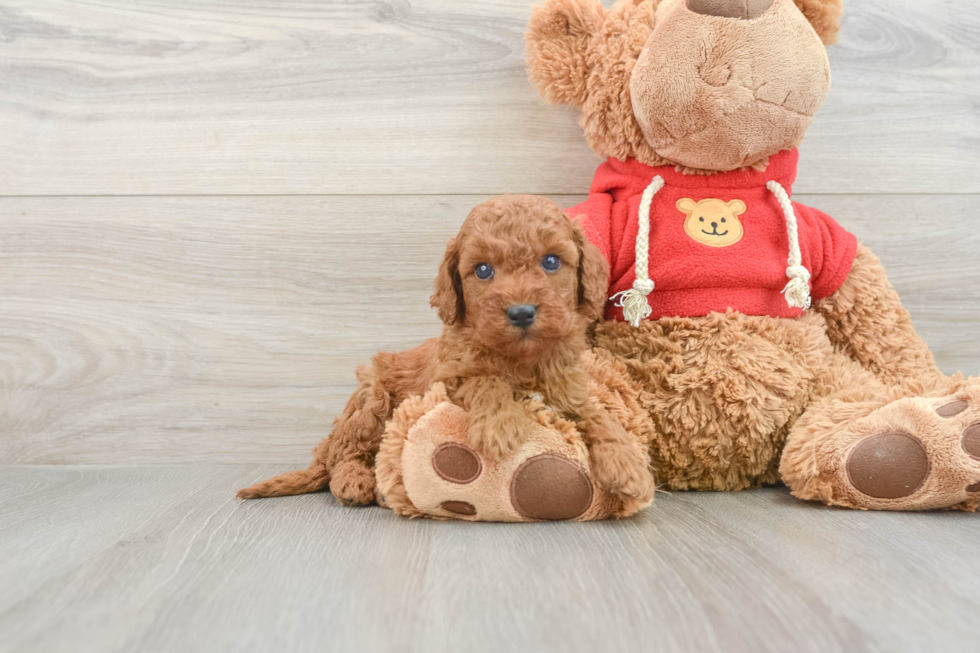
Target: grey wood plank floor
(163, 558)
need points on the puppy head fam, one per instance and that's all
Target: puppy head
(520, 277)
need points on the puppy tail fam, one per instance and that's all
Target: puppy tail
(300, 481)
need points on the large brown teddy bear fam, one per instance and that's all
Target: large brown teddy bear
(765, 343)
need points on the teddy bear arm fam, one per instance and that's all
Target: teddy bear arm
(866, 321)
(558, 37)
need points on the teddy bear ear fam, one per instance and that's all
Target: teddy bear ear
(686, 205)
(558, 37)
(824, 15)
(737, 207)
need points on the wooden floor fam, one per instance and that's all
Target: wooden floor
(212, 211)
(162, 558)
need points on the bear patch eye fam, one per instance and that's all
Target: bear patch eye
(701, 219)
(483, 271)
(550, 263)
(723, 219)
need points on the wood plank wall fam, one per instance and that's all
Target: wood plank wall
(212, 211)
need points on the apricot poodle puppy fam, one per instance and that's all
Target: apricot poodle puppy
(517, 290)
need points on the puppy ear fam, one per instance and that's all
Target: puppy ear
(824, 15)
(558, 37)
(448, 296)
(593, 276)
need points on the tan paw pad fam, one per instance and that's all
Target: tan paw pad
(890, 465)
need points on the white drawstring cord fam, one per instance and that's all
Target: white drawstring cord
(634, 302)
(797, 291)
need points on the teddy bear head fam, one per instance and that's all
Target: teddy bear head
(708, 85)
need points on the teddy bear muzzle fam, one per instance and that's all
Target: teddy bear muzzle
(743, 9)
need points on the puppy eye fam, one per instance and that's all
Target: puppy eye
(483, 271)
(550, 263)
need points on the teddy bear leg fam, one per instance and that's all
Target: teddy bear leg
(870, 446)
(426, 467)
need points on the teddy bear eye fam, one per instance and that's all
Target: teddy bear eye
(701, 219)
(550, 263)
(723, 219)
(483, 271)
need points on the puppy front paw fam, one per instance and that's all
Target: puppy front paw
(623, 470)
(499, 435)
(353, 484)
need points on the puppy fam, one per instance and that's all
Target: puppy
(516, 291)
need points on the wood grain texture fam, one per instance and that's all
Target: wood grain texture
(426, 97)
(163, 558)
(141, 330)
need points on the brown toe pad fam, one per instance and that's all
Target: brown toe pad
(456, 463)
(971, 441)
(889, 465)
(459, 507)
(550, 487)
(952, 409)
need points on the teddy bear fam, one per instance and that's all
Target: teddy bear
(766, 343)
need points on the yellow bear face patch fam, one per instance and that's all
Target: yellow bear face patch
(713, 222)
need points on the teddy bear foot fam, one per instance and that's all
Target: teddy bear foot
(914, 454)
(427, 468)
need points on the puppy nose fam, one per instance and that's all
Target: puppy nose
(522, 315)
(745, 9)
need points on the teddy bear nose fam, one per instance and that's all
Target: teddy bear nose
(744, 9)
(714, 225)
(522, 315)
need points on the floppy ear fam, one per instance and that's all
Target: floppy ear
(737, 207)
(824, 15)
(448, 296)
(558, 37)
(593, 276)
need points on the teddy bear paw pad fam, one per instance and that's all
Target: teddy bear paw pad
(457, 463)
(459, 508)
(890, 465)
(549, 487)
(971, 441)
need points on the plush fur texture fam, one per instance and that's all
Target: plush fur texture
(845, 403)
(485, 364)
(662, 84)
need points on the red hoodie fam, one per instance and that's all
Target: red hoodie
(716, 242)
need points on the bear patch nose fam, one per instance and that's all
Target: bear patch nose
(744, 9)
(522, 315)
(714, 225)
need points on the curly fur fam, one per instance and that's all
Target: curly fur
(485, 364)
